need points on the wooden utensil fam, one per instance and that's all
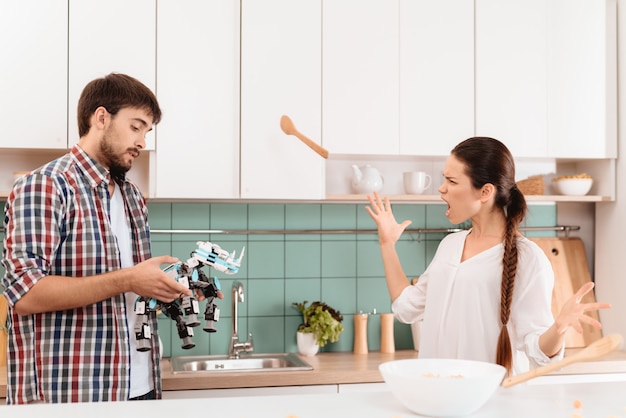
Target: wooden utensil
(592, 351)
(286, 124)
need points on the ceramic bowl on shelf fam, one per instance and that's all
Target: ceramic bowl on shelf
(442, 387)
(572, 186)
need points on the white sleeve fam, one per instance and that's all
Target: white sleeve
(409, 306)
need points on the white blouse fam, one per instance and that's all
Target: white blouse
(458, 304)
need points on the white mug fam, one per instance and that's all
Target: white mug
(416, 182)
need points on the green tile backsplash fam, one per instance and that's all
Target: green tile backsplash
(343, 269)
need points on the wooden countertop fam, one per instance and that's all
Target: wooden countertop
(328, 368)
(347, 367)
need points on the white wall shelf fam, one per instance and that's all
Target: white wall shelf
(355, 198)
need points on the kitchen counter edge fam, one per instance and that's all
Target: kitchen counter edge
(330, 368)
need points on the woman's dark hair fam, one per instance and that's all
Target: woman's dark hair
(488, 160)
(115, 92)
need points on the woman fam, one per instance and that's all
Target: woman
(487, 293)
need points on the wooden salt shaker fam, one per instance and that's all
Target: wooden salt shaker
(360, 334)
(387, 343)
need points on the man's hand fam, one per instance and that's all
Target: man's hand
(149, 280)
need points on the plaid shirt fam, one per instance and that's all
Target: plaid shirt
(57, 223)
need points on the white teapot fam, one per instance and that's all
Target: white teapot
(366, 179)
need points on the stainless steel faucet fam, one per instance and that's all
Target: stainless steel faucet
(237, 346)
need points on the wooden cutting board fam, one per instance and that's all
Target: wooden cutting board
(571, 271)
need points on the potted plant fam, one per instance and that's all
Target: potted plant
(321, 324)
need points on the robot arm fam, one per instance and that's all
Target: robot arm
(190, 274)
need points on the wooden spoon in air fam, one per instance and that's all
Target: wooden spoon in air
(288, 127)
(592, 351)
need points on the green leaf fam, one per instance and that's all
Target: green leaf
(321, 320)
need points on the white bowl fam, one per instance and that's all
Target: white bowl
(442, 387)
(573, 186)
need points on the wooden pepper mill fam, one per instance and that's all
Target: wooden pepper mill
(360, 333)
(387, 341)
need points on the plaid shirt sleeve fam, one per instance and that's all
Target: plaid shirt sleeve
(30, 244)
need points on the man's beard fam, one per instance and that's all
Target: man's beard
(117, 166)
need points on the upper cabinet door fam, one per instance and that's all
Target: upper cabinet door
(198, 88)
(436, 75)
(582, 78)
(511, 78)
(33, 74)
(114, 36)
(361, 77)
(281, 56)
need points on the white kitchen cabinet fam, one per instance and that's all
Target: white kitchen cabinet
(436, 75)
(360, 75)
(33, 75)
(582, 78)
(374, 81)
(281, 55)
(34, 80)
(116, 36)
(197, 150)
(546, 76)
(400, 81)
(511, 76)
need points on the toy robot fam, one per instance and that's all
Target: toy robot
(189, 273)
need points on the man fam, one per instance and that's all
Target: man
(77, 254)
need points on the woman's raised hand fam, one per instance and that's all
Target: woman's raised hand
(389, 230)
(573, 312)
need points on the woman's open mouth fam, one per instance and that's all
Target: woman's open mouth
(448, 208)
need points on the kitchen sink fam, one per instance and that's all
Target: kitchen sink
(248, 363)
